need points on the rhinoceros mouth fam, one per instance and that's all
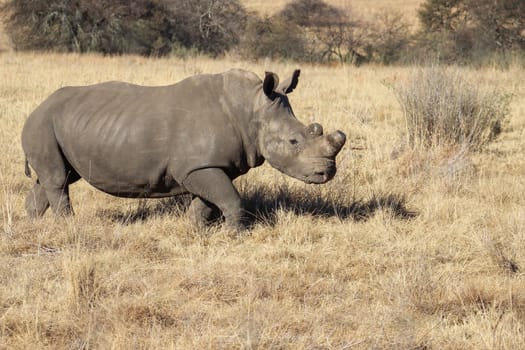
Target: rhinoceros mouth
(322, 171)
(318, 175)
(321, 176)
(318, 171)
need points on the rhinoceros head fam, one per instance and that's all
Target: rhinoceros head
(303, 152)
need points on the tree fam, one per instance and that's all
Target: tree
(387, 37)
(211, 26)
(312, 13)
(273, 37)
(500, 23)
(328, 30)
(471, 29)
(443, 15)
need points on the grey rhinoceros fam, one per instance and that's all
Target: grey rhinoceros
(195, 136)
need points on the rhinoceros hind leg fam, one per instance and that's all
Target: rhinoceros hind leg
(202, 212)
(214, 186)
(55, 174)
(36, 201)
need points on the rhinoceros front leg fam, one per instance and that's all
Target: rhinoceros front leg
(202, 212)
(214, 186)
(59, 200)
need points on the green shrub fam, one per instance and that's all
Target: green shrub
(442, 108)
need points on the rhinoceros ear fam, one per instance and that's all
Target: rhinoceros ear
(271, 81)
(289, 84)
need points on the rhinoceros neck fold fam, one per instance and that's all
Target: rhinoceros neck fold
(243, 89)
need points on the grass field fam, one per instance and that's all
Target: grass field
(402, 250)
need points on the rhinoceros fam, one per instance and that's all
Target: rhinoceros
(194, 136)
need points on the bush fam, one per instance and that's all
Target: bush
(106, 26)
(471, 30)
(441, 108)
(273, 37)
(146, 27)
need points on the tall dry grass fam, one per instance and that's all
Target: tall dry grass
(402, 250)
(442, 108)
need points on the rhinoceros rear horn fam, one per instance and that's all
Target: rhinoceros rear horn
(271, 81)
(314, 129)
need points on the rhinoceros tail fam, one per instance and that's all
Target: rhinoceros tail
(27, 169)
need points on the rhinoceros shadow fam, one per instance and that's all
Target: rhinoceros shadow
(143, 212)
(262, 206)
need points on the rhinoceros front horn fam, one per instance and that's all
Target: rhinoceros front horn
(336, 140)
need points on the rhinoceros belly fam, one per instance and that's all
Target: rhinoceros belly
(124, 171)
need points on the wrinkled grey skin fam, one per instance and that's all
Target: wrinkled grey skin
(195, 136)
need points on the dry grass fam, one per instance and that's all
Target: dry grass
(402, 250)
(442, 108)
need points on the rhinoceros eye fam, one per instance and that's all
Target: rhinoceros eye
(293, 142)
